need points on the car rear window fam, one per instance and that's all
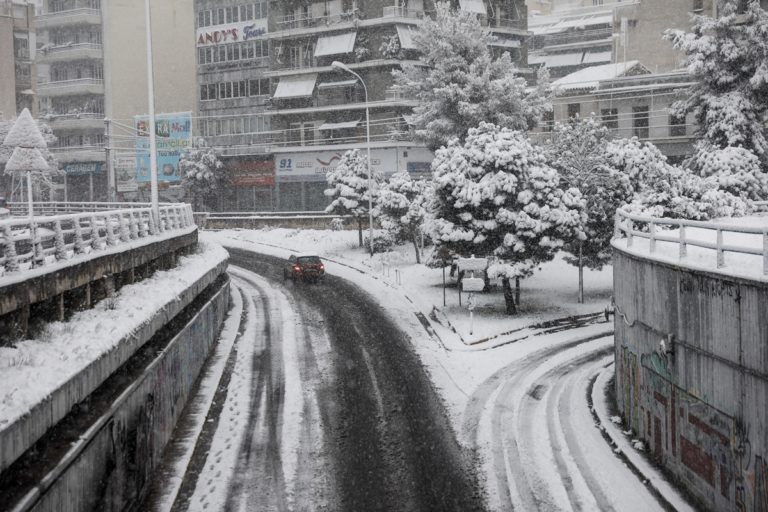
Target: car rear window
(312, 260)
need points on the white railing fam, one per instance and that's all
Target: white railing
(60, 207)
(630, 226)
(45, 240)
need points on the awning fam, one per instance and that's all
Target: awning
(339, 126)
(597, 57)
(557, 60)
(335, 45)
(506, 43)
(332, 85)
(296, 86)
(475, 6)
(405, 34)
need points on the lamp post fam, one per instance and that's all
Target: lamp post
(343, 67)
(151, 99)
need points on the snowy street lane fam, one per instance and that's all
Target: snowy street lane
(545, 452)
(327, 408)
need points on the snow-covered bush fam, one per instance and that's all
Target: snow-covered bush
(337, 224)
(735, 169)
(383, 241)
(390, 47)
(203, 175)
(495, 195)
(400, 207)
(460, 84)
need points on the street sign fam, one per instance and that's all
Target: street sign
(472, 284)
(473, 264)
(471, 302)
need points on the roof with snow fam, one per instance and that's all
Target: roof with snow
(25, 133)
(589, 78)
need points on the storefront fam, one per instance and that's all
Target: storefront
(253, 184)
(85, 181)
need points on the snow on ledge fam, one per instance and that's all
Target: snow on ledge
(33, 369)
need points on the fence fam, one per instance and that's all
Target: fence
(648, 228)
(44, 240)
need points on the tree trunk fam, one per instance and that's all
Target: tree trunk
(581, 274)
(509, 299)
(517, 291)
(416, 248)
(360, 232)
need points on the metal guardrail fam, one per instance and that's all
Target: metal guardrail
(625, 227)
(47, 239)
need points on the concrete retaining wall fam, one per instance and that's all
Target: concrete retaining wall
(15, 439)
(116, 461)
(290, 222)
(700, 401)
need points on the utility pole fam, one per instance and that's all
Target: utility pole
(111, 192)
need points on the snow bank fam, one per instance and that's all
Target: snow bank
(33, 369)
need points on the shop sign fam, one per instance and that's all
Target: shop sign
(125, 174)
(83, 168)
(174, 136)
(253, 173)
(231, 32)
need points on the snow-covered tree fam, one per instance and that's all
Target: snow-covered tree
(735, 169)
(460, 84)
(348, 188)
(495, 195)
(665, 190)
(203, 175)
(728, 58)
(42, 180)
(401, 207)
(577, 149)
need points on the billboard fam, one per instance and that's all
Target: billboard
(231, 32)
(174, 136)
(253, 173)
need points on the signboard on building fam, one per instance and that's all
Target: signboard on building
(231, 32)
(125, 174)
(253, 173)
(174, 136)
(83, 168)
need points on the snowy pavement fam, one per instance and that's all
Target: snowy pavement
(517, 396)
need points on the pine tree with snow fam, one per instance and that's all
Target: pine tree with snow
(495, 195)
(348, 188)
(42, 179)
(728, 58)
(735, 169)
(577, 150)
(203, 176)
(461, 84)
(401, 207)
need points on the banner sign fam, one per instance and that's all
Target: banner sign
(174, 136)
(84, 168)
(253, 173)
(231, 32)
(125, 174)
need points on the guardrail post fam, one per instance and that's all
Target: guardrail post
(630, 228)
(95, 238)
(152, 224)
(683, 242)
(125, 234)
(61, 249)
(720, 253)
(79, 247)
(652, 237)
(133, 227)
(111, 238)
(616, 225)
(765, 252)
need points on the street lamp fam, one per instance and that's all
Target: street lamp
(343, 67)
(151, 100)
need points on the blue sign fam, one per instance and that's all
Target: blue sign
(83, 168)
(173, 136)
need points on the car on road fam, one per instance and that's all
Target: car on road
(304, 267)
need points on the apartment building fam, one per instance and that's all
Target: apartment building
(319, 111)
(91, 57)
(17, 69)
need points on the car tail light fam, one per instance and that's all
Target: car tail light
(322, 267)
(296, 268)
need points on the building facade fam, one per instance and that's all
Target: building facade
(17, 49)
(92, 82)
(281, 115)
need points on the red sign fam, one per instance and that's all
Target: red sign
(254, 173)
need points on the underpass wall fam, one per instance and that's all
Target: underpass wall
(117, 458)
(698, 401)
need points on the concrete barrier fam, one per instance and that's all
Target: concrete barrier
(214, 221)
(16, 438)
(692, 376)
(112, 464)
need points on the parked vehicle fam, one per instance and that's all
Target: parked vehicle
(305, 267)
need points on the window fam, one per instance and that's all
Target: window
(610, 118)
(574, 109)
(258, 87)
(548, 121)
(698, 5)
(676, 126)
(640, 122)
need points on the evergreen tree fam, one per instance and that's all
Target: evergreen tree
(348, 188)
(461, 84)
(400, 206)
(203, 176)
(495, 195)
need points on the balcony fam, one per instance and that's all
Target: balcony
(71, 87)
(68, 154)
(80, 16)
(75, 122)
(402, 12)
(68, 52)
(290, 26)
